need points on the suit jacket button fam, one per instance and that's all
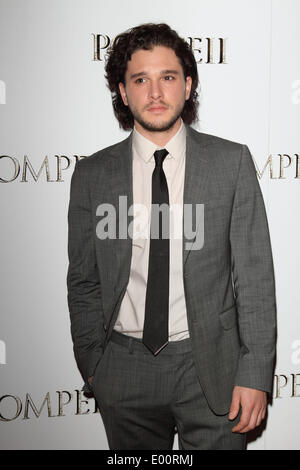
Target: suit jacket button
(105, 327)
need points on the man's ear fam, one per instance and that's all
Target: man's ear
(123, 93)
(188, 87)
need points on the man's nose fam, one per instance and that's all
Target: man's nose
(155, 89)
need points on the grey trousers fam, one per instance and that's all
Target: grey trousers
(145, 399)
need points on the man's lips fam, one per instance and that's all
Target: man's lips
(157, 108)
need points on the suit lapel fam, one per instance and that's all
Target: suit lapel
(121, 170)
(196, 174)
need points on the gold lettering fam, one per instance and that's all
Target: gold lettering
(79, 401)
(61, 404)
(192, 45)
(268, 162)
(297, 165)
(210, 50)
(17, 169)
(59, 169)
(18, 411)
(295, 385)
(279, 385)
(223, 50)
(29, 401)
(281, 164)
(98, 47)
(35, 176)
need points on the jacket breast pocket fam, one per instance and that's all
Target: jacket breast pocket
(228, 317)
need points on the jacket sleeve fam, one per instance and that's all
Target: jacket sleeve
(83, 284)
(253, 279)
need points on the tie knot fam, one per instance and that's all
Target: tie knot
(159, 156)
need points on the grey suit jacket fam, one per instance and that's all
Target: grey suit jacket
(229, 283)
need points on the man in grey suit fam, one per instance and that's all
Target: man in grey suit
(170, 333)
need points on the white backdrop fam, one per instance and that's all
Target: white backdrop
(54, 106)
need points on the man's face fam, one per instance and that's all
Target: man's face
(155, 88)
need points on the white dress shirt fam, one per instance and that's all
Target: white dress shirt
(131, 315)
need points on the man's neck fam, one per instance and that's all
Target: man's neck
(159, 138)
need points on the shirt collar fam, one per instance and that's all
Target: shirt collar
(145, 148)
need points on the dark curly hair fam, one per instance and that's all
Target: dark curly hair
(146, 36)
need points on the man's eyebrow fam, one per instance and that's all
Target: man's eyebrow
(163, 72)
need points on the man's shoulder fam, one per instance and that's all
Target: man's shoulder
(103, 154)
(111, 149)
(205, 139)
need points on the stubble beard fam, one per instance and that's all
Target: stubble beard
(157, 126)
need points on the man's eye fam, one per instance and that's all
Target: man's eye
(139, 80)
(169, 77)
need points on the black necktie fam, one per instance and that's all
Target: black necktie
(156, 327)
